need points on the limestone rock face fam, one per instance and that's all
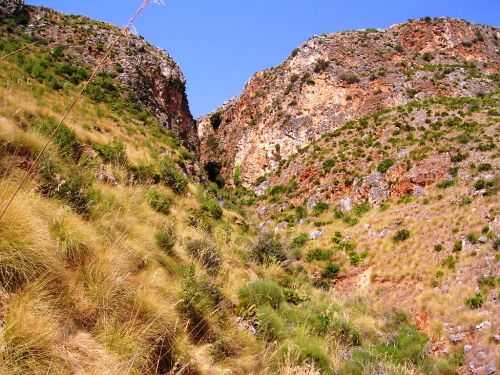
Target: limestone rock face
(149, 73)
(10, 7)
(332, 79)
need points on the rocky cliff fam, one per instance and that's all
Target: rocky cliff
(332, 79)
(150, 74)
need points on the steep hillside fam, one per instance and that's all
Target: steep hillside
(340, 77)
(152, 81)
(376, 154)
(405, 204)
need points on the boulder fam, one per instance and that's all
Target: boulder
(455, 339)
(316, 234)
(261, 189)
(483, 325)
(346, 204)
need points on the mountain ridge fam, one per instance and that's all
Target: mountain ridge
(341, 86)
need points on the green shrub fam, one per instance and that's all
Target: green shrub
(275, 192)
(361, 209)
(321, 65)
(237, 176)
(331, 271)
(472, 238)
(465, 201)
(103, 89)
(212, 207)
(166, 239)
(172, 177)
(480, 184)
(113, 152)
(355, 258)
(69, 185)
(308, 349)
(445, 184)
(270, 324)
(65, 138)
(457, 158)
(319, 254)
(457, 246)
(484, 167)
(450, 262)
(486, 282)
(408, 346)
(158, 201)
(199, 219)
(267, 249)
(293, 297)
(385, 165)
(300, 240)
(199, 298)
(489, 186)
(401, 235)
(475, 302)
(72, 73)
(350, 220)
(319, 208)
(260, 293)
(349, 77)
(205, 252)
(300, 212)
(70, 244)
(346, 332)
(449, 365)
(144, 174)
(222, 349)
(328, 165)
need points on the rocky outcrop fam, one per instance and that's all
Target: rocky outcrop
(10, 7)
(335, 78)
(146, 71)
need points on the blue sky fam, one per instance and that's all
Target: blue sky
(220, 44)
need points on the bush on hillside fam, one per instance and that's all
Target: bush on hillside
(319, 208)
(212, 207)
(331, 271)
(475, 302)
(319, 254)
(401, 235)
(260, 293)
(206, 253)
(300, 240)
(70, 245)
(143, 174)
(65, 138)
(267, 249)
(173, 177)
(270, 324)
(349, 77)
(71, 186)
(385, 165)
(166, 239)
(159, 201)
(103, 89)
(113, 152)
